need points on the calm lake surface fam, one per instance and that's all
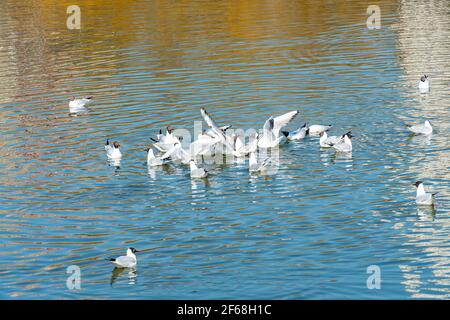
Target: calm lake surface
(310, 231)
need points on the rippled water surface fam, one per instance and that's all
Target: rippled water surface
(307, 232)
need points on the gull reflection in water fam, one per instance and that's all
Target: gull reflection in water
(325, 157)
(154, 170)
(114, 163)
(343, 157)
(421, 140)
(426, 213)
(199, 189)
(130, 273)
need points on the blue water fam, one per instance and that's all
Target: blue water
(310, 231)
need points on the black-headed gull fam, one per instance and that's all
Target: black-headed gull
(165, 142)
(128, 261)
(316, 129)
(328, 142)
(113, 151)
(76, 105)
(422, 197)
(271, 131)
(424, 128)
(344, 144)
(424, 83)
(298, 134)
(197, 172)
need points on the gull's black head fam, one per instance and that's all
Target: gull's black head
(116, 144)
(169, 129)
(423, 78)
(133, 250)
(417, 184)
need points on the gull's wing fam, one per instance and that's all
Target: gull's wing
(215, 129)
(269, 124)
(209, 120)
(424, 198)
(203, 145)
(108, 147)
(172, 152)
(281, 121)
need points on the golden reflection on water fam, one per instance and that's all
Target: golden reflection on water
(41, 62)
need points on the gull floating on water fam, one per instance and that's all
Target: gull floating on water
(113, 151)
(425, 128)
(424, 84)
(423, 198)
(165, 142)
(271, 130)
(197, 172)
(344, 144)
(328, 142)
(76, 105)
(298, 134)
(128, 261)
(317, 129)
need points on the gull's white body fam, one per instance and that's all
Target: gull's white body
(197, 172)
(298, 134)
(152, 160)
(79, 104)
(166, 142)
(113, 153)
(177, 153)
(344, 145)
(128, 261)
(424, 86)
(423, 198)
(328, 142)
(203, 145)
(271, 130)
(425, 128)
(316, 129)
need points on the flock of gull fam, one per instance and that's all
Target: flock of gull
(215, 141)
